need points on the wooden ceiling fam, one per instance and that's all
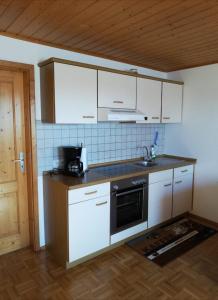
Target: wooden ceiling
(164, 35)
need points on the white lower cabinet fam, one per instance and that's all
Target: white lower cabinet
(89, 226)
(160, 200)
(182, 194)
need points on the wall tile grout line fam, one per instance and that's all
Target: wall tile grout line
(104, 141)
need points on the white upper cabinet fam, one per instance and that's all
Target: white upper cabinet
(149, 99)
(75, 94)
(116, 90)
(171, 103)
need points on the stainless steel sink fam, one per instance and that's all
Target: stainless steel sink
(147, 164)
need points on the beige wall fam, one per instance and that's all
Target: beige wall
(197, 136)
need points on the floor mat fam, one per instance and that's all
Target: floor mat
(168, 242)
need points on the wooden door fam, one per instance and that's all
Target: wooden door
(14, 225)
(116, 90)
(171, 103)
(149, 99)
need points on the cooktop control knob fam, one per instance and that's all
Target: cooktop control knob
(115, 187)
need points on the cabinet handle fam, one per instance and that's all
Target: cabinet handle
(88, 117)
(90, 193)
(166, 118)
(116, 101)
(101, 203)
(169, 184)
(155, 118)
(184, 171)
(177, 182)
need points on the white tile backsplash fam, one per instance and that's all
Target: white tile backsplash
(107, 141)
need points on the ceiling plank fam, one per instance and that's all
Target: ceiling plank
(160, 34)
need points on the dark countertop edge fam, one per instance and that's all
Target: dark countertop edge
(185, 161)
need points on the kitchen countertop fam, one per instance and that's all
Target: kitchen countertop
(95, 174)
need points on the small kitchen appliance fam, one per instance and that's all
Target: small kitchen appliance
(84, 158)
(72, 161)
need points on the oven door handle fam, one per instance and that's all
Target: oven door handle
(129, 192)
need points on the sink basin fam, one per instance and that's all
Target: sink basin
(146, 164)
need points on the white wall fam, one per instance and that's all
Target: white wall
(197, 136)
(30, 53)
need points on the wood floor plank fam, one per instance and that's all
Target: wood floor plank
(121, 274)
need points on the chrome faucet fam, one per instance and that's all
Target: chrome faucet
(150, 153)
(147, 157)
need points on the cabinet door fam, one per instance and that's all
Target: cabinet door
(171, 103)
(75, 94)
(159, 202)
(182, 194)
(149, 99)
(116, 90)
(88, 227)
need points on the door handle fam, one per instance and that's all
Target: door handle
(21, 162)
(88, 117)
(118, 101)
(177, 182)
(168, 184)
(90, 193)
(101, 203)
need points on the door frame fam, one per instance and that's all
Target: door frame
(30, 140)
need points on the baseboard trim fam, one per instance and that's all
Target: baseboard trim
(204, 221)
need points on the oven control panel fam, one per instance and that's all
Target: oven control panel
(128, 183)
(139, 182)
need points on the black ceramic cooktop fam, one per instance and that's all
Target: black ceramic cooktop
(117, 170)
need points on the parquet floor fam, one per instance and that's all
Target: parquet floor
(121, 274)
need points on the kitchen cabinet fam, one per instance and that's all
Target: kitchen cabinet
(68, 94)
(149, 99)
(76, 93)
(89, 220)
(88, 227)
(182, 190)
(77, 221)
(160, 197)
(172, 102)
(116, 90)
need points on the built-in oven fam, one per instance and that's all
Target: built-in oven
(129, 203)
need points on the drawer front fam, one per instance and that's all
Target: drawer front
(183, 171)
(89, 192)
(161, 176)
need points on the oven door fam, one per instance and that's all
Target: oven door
(129, 207)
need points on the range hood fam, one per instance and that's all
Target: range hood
(119, 115)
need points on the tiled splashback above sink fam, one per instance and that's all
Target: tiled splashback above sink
(104, 141)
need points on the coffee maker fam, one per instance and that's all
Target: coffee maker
(72, 161)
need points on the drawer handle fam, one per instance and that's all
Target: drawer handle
(90, 193)
(169, 184)
(155, 118)
(177, 182)
(166, 118)
(88, 117)
(116, 101)
(101, 203)
(184, 171)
